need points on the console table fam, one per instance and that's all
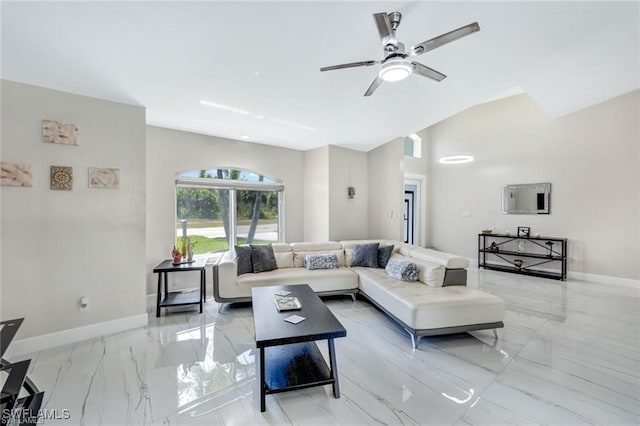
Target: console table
(16, 409)
(179, 298)
(544, 257)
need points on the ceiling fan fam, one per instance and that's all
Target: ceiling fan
(396, 65)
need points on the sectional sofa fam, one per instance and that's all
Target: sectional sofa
(439, 302)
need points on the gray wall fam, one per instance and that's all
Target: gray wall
(60, 245)
(173, 151)
(386, 190)
(591, 158)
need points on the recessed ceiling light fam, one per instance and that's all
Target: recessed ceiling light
(224, 107)
(245, 137)
(456, 159)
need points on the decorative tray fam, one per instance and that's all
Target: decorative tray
(287, 303)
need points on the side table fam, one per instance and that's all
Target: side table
(179, 298)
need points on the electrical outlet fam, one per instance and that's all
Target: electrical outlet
(84, 303)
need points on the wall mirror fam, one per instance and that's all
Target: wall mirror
(528, 198)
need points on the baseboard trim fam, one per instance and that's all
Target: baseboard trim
(64, 337)
(583, 276)
(604, 279)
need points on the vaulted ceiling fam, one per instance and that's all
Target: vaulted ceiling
(261, 61)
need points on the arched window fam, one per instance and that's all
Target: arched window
(220, 207)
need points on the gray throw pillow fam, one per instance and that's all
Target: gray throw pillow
(263, 258)
(320, 261)
(384, 253)
(365, 255)
(402, 270)
(245, 264)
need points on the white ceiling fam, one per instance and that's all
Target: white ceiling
(264, 57)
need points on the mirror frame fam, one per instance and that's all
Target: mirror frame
(544, 188)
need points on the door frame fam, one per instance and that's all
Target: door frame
(420, 206)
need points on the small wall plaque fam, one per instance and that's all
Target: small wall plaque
(100, 177)
(15, 174)
(61, 177)
(60, 133)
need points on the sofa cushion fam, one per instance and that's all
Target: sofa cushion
(245, 264)
(283, 254)
(384, 253)
(263, 258)
(402, 270)
(348, 246)
(449, 260)
(300, 250)
(320, 261)
(365, 255)
(423, 307)
(321, 280)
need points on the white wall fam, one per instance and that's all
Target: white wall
(418, 169)
(60, 245)
(316, 195)
(348, 217)
(590, 158)
(173, 151)
(386, 190)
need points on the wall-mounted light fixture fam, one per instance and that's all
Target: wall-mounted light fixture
(351, 192)
(456, 159)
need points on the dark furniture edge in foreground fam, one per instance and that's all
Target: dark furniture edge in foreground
(16, 409)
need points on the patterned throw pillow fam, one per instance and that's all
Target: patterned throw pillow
(402, 270)
(384, 253)
(320, 261)
(263, 258)
(245, 265)
(365, 255)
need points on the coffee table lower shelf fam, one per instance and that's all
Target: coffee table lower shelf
(295, 366)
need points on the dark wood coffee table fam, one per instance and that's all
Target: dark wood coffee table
(289, 357)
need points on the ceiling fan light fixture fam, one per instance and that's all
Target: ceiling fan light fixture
(395, 69)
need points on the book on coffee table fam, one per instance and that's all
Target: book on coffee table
(287, 303)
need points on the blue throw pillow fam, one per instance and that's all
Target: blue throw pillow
(320, 261)
(402, 270)
(365, 255)
(263, 258)
(245, 264)
(384, 253)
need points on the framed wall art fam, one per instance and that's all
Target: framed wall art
(61, 177)
(15, 174)
(60, 133)
(101, 177)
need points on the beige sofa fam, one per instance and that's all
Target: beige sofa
(439, 303)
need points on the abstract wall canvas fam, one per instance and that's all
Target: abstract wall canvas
(61, 177)
(100, 177)
(15, 174)
(60, 133)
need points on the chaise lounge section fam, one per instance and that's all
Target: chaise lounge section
(439, 302)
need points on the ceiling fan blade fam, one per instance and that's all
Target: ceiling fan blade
(376, 83)
(425, 71)
(435, 42)
(383, 25)
(350, 65)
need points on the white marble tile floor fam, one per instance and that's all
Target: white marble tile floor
(569, 354)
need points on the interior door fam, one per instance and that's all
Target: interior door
(409, 216)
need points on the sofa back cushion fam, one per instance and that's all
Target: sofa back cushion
(449, 260)
(300, 250)
(283, 254)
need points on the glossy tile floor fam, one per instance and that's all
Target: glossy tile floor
(569, 354)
